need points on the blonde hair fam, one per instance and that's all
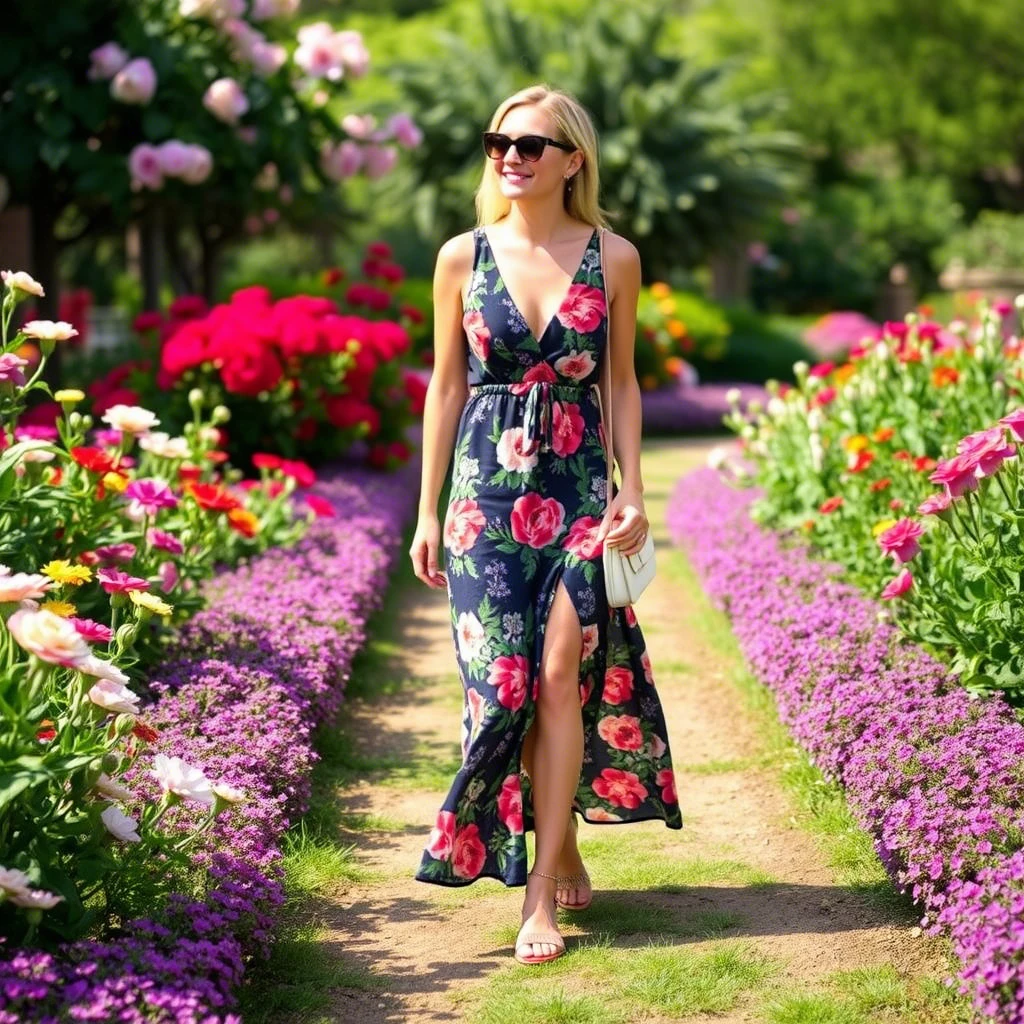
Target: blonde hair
(574, 126)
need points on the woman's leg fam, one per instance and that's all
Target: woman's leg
(557, 758)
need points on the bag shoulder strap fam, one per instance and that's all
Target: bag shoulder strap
(606, 373)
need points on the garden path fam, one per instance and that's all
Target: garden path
(743, 871)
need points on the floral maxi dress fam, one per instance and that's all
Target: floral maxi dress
(527, 497)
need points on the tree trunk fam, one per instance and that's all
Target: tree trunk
(210, 268)
(151, 258)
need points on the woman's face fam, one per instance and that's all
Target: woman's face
(522, 179)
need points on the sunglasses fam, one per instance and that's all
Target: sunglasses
(529, 147)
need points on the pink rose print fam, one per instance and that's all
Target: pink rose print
(667, 780)
(590, 640)
(576, 365)
(514, 451)
(537, 521)
(630, 615)
(468, 852)
(600, 814)
(509, 674)
(619, 788)
(510, 805)
(566, 429)
(582, 309)
(476, 704)
(478, 333)
(658, 747)
(618, 685)
(621, 732)
(645, 660)
(442, 836)
(541, 373)
(581, 540)
(586, 689)
(462, 526)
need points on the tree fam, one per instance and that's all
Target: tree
(684, 171)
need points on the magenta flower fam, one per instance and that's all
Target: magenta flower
(149, 496)
(935, 505)
(957, 475)
(113, 581)
(900, 585)
(94, 632)
(165, 541)
(901, 540)
(10, 369)
(989, 448)
(1014, 422)
(122, 552)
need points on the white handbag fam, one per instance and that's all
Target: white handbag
(625, 576)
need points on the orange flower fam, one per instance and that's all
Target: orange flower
(830, 505)
(843, 373)
(212, 497)
(883, 434)
(244, 521)
(674, 365)
(660, 290)
(943, 375)
(676, 328)
(881, 485)
(923, 463)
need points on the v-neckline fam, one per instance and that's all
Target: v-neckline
(568, 291)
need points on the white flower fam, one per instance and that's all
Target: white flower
(101, 669)
(733, 395)
(14, 882)
(22, 283)
(130, 419)
(114, 697)
(22, 586)
(718, 456)
(49, 330)
(49, 637)
(120, 826)
(113, 790)
(471, 636)
(36, 899)
(35, 451)
(228, 793)
(184, 780)
(226, 100)
(165, 446)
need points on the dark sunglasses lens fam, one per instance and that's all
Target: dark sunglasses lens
(496, 145)
(530, 147)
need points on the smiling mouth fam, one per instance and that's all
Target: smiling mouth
(516, 175)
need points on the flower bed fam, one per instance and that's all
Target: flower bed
(935, 776)
(247, 681)
(683, 409)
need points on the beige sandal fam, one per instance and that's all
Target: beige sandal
(551, 938)
(577, 881)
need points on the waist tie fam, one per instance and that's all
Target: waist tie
(538, 412)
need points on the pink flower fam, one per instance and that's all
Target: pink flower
(957, 475)
(175, 157)
(113, 581)
(405, 131)
(512, 452)
(442, 836)
(537, 521)
(22, 586)
(509, 674)
(165, 541)
(821, 370)
(359, 126)
(901, 540)
(478, 333)
(539, 373)
(168, 573)
(114, 697)
(200, 165)
(318, 54)
(11, 369)
(468, 852)
(667, 780)
(566, 429)
(134, 83)
(900, 585)
(935, 505)
(591, 636)
(150, 495)
(620, 788)
(49, 637)
(618, 685)
(226, 100)
(581, 540)
(267, 58)
(121, 552)
(989, 449)
(341, 161)
(181, 779)
(107, 60)
(146, 167)
(582, 309)
(621, 731)
(510, 804)
(1014, 422)
(379, 160)
(462, 526)
(576, 365)
(93, 632)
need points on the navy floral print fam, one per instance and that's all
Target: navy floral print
(527, 498)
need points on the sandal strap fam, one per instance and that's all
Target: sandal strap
(535, 938)
(577, 881)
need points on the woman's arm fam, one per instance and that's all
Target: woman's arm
(622, 265)
(445, 399)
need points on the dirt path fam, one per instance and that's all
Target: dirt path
(764, 877)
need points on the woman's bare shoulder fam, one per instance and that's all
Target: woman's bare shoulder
(620, 251)
(456, 255)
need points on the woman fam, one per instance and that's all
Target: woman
(560, 710)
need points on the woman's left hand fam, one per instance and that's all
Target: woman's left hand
(625, 523)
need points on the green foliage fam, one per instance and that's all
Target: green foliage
(683, 169)
(995, 240)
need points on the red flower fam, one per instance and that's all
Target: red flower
(468, 852)
(212, 497)
(582, 540)
(411, 313)
(346, 412)
(667, 780)
(567, 428)
(189, 346)
(389, 339)
(301, 473)
(537, 521)
(880, 485)
(379, 250)
(320, 507)
(540, 373)
(250, 368)
(621, 732)
(582, 309)
(861, 461)
(145, 732)
(187, 472)
(147, 321)
(332, 275)
(187, 307)
(620, 788)
(924, 463)
(266, 460)
(510, 804)
(830, 505)
(391, 272)
(416, 391)
(46, 732)
(95, 460)
(618, 685)
(824, 397)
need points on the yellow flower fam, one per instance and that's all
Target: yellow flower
(856, 443)
(882, 526)
(660, 290)
(843, 373)
(152, 603)
(115, 481)
(62, 608)
(69, 395)
(62, 571)
(667, 307)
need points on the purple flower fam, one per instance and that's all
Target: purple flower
(149, 496)
(10, 369)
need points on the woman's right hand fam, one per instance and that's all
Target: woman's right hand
(423, 552)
